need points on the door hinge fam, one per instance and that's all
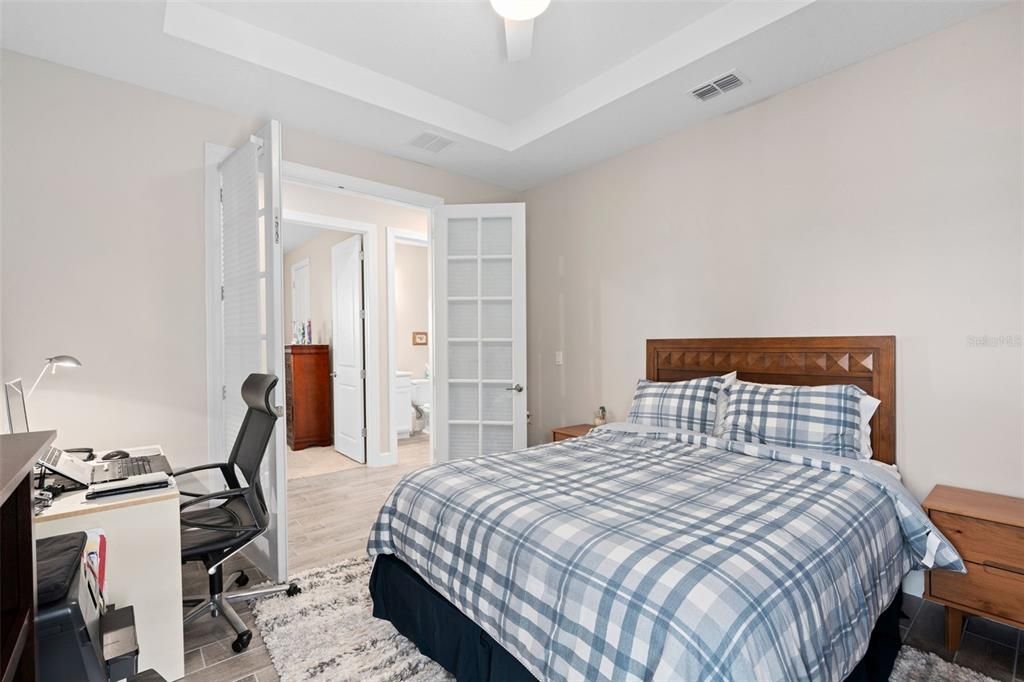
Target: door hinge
(222, 195)
(362, 374)
(277, 229)
(362, 255)
(223, 392)
(362, 314)
(222, 292)
(362, 432)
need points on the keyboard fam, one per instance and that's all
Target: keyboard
(133, 466)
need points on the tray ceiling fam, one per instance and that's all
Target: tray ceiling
(602, 77)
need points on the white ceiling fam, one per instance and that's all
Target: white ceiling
(603, 76)
(574, 42)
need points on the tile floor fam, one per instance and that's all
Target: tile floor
(990, 648)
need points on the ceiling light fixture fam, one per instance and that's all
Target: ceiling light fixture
(520, 10)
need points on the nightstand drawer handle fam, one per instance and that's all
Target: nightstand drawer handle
(1004, 567)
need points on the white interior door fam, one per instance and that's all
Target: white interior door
(300, 295)
(479, 253)
(251, 258)
(348, 370)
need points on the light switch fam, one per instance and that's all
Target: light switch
(558, 357)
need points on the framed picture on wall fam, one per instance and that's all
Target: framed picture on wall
(419, 338)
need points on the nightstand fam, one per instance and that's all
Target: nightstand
(988, 531)
(574, 431)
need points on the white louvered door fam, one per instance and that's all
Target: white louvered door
(251, 258)
(479, 253)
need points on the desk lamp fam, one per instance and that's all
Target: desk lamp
(52, 364)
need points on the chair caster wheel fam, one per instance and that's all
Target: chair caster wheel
(242, 579)
(241, 642)
(293, 590)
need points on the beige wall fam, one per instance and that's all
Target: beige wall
(885, 198)
(412, 307)
(103, 247)
(318, 251)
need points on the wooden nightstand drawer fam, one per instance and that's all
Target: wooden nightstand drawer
(574, 431)
(985, 589)
(988, 531)
(983, 542)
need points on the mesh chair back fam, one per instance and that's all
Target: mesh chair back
(254, 436)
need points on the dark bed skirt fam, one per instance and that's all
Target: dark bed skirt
(446, 635)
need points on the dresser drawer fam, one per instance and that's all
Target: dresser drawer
(983, 542)
(985, 588)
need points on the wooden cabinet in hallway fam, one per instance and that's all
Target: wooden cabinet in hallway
(308, 390)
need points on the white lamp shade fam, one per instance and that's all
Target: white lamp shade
(52, 364)
(520, 10)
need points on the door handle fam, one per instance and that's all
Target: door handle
(333, 374)
(517, 388)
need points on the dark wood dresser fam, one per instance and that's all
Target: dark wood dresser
(307, 377)
(18, 452)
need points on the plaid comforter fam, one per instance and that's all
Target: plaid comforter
(664, 556)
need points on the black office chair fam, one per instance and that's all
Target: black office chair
(214, 533)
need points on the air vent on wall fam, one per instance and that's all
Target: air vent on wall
(430, 142)
(706, 91)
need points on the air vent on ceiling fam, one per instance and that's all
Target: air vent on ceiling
(430, 142)
(706, 91)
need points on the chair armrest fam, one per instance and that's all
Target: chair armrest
(219, 528)
(202, 467)
(222, 495)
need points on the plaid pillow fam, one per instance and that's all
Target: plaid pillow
(822, 418)
(678, 404)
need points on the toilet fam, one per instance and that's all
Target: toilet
(421, 397)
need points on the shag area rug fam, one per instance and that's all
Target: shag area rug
(328, 632)
(914, 665)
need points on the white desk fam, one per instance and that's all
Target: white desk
(143, 564)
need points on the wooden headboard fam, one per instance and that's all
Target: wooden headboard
(866, 361)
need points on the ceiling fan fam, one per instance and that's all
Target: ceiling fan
(519, 16)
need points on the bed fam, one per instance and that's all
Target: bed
(642, 552)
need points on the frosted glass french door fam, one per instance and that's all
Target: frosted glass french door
(251, 260)
(479, 253)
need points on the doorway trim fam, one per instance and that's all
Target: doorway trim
(394, 237)
(322, 179)
(371, 322)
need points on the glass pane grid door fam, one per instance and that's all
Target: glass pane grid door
(481, 282)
